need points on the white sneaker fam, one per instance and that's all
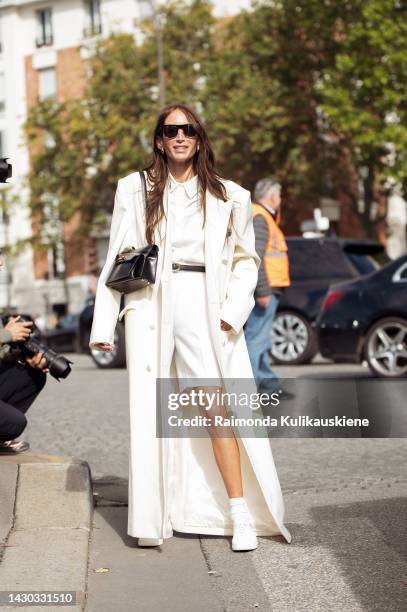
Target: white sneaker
(150, 541)
(244, 537)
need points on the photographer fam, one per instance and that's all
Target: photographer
(21, 379)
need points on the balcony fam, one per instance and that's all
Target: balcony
(44, 41)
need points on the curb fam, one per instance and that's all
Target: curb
(45, 527)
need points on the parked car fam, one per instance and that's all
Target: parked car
(314, 264)
(114, 359)
(64, 336)
(366, 319)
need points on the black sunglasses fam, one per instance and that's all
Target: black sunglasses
(171, 130)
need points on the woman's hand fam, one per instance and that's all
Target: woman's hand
(103, 346)
(19, 331)
(225, 326)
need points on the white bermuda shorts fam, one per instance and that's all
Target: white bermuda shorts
(194, 353)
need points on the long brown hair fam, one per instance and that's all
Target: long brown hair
(157, 170)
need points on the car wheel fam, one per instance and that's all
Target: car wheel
(386, 347)
(293, 339)
(115, 359)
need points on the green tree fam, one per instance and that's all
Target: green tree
(363, 98)
(262, 98)
(313, 92)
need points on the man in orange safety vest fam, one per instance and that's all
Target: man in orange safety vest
(273, 277)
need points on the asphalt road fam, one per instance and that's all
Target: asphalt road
(86, 416)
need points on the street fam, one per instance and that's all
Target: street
(86, 416)
(344, 498)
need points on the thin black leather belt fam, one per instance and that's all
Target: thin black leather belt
(176, 267)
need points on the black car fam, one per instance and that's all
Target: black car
(315, 263)
(113, 359)
(366, 319)
(64, 336)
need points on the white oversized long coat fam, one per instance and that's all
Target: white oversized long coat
(174, 483)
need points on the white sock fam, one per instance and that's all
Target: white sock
(239, 510)
(237, 501)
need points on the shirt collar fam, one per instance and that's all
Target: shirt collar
(190, 186)
(271, 210)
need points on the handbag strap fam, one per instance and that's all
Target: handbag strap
(143, 187)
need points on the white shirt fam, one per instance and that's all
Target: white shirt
(187, 244)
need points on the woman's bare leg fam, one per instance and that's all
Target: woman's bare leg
(227, 456)
(225, 448)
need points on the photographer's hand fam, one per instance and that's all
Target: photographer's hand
(38, 362)
(19, 331)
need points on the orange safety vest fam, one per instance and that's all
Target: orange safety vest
(275, 258)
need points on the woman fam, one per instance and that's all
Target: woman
(188, 325)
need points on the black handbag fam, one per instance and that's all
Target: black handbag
(133, 268)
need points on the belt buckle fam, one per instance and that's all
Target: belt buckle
(176, 267)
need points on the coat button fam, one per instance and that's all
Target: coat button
(148, 368)
(152, 326)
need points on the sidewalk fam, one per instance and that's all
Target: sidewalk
(45, 522)
(348, 552)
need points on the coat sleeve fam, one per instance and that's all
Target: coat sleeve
(239, 300)
(107, 300)
(5, 334)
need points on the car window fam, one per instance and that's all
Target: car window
(317, 259)
(400, 274)
(367, 263)
(68, 320)
(364, 264)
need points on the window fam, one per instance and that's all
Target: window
(2, 92)
(44, 28)
(93, 20)
(363, 263)
(56, 262)
(47, 83)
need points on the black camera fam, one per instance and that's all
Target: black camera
(57, 364)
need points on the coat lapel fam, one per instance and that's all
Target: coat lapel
(162, 239)
(217, 218)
